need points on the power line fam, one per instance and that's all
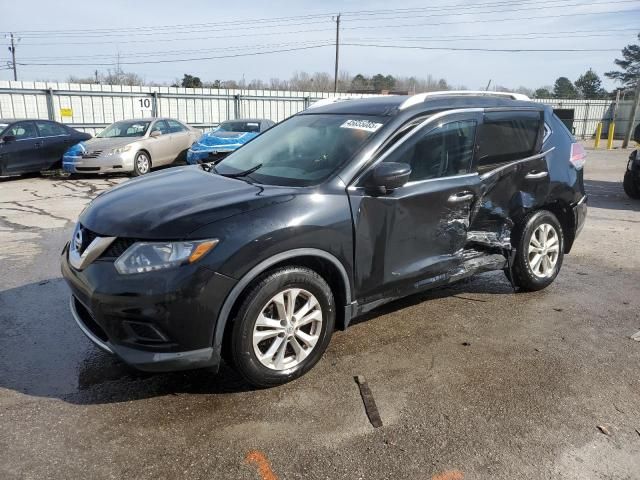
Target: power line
(519, 19)
(97, 33)
(160, 53)
(179, 60)
(418, 47)
(478, 49)
(256, 34)
(482, 39)
(454, 38)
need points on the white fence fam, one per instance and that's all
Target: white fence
(92, 107)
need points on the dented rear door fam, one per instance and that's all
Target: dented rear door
(513, 175)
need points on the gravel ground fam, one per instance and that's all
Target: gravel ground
(472, 381)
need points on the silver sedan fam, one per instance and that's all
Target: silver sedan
(133, 146)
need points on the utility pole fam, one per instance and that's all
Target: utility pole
(12, 49)
(335, 76)
(632, 117)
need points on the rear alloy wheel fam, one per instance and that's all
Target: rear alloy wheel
(631, 185)
(283, 327)
(141, 164)
(539, 251)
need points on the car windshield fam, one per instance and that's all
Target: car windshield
(125, 129)
(3, 126)
(239, 127)
(302, 151)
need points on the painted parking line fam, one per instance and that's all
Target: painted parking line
(262, 463)
(449, 475)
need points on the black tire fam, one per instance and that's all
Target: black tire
(524, 276)
(631, 185)
(138, 164)
(243, 355)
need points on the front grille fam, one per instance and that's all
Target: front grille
(118, 247)
(89, 322)
(87, 237)
(94, 154)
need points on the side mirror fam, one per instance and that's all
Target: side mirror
(386, 177)
(9, 138)
(155, 134)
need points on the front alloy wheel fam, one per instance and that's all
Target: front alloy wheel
(283, 326)
(287, 329)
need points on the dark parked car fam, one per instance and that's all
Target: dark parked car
(631, 180)
(34, 145)
(322, 218)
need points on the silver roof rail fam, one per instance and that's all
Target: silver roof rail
(421, 97)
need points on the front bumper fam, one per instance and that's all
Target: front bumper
(160, 321)
(110, 163)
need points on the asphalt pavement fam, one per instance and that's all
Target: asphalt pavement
(471, 381)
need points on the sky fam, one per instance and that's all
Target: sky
(71, 31)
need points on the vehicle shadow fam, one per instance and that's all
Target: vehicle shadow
(609, 195)
(44, 354)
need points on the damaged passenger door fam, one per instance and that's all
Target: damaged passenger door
(513, 175)
(413, 236)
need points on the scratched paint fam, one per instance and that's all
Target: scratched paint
(263, 465)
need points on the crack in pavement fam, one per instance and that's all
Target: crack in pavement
(36, 210)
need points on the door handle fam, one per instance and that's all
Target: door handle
(461, 197)
(536, 175)
(37, 145)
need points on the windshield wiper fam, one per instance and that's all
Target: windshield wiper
(241, 174)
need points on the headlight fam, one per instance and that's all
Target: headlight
(151, 256)
(126, 148)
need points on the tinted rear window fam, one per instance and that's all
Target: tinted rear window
(507, 136)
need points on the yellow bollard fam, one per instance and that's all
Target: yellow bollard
(596, 145)
(612, 127)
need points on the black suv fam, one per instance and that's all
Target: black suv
(325, 216)
(631, 180)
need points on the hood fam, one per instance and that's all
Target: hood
(172, 203)
(99, 144)
(109, 143)
(214, 139)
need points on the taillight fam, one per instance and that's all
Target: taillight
(578, 156)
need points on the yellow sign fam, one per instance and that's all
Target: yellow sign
(66, 112)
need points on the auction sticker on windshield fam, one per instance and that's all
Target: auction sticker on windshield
(367, 125)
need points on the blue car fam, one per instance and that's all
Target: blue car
(227, 137)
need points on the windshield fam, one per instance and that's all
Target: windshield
(125, 129)
(239, 127)
(3, 126)
(302, 151)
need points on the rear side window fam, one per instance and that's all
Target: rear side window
(175, 127)
(161, 126)
(443, 151)
(508, 136)
(48, 129)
